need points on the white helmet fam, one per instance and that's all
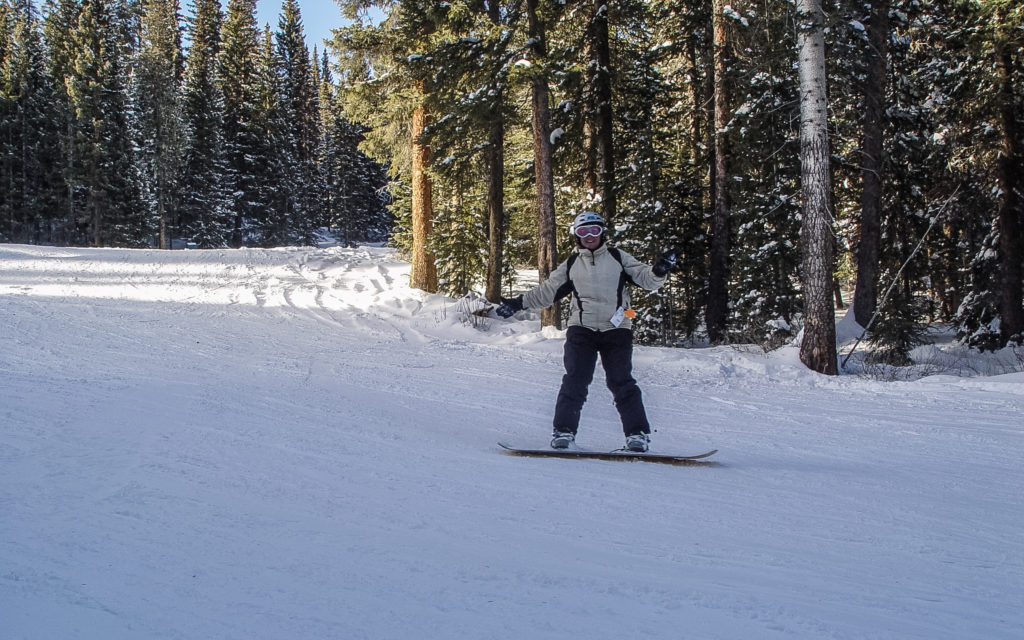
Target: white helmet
(585, 218)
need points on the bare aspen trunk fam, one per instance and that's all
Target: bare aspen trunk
(818, 349)
(543, 176)
(423, 274)
(717, 309)
(865, 296)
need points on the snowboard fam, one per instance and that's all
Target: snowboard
(621, 455)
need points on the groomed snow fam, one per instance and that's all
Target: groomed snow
(292, 444)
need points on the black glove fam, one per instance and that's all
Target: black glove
(665, 264)
(509, 306)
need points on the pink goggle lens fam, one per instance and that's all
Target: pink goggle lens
(589, 230)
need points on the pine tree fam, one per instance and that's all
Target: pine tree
(7, 18)
(300, 112)
(8, 131)
(384, 91)
(764, 297)
(271, 223)
(543, 169)
(469, 76)
(599, 113)
(104, 141)
(495, 159)
(375, 91)
(877, 49)
(420, 22)
(649, 214)
(158, 78)
(1008, 37)
(205, 217)
(238, 76)
(984, 39)
(58, 35)
(672, 102)
(721, 234)
(457, 58)
(354, 185)
(29, 170)
(914, 171)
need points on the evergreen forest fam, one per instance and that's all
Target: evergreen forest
(470, 133)
(124, 123)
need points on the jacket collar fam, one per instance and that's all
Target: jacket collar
(593, 254)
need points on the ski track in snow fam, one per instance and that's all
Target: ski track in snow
(291, 443)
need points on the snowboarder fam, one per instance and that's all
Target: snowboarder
(599, 324)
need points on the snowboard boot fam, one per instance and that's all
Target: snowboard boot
(638, 442)
(562, 440)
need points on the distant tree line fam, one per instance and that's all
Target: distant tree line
(123, 124)
(680, 121)
(686, 123)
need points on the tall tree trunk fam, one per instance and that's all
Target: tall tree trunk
(423, 274)
(496, 202)
(717, 310)
(496, 184)
(162, 214)
(696, 98)
(543, 174)
(818, 350)
(865, 296)
(1011, 185)
(600, 173)
(69, 180)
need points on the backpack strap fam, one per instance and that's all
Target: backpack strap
(624, 278)
(568, 287)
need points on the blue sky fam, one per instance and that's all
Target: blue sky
(318, 18)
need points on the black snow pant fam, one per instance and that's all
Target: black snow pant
(582, 346)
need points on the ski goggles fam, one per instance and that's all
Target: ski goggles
(588, 230)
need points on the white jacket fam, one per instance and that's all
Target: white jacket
(595, 277)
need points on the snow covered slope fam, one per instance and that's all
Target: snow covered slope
(270, 444)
